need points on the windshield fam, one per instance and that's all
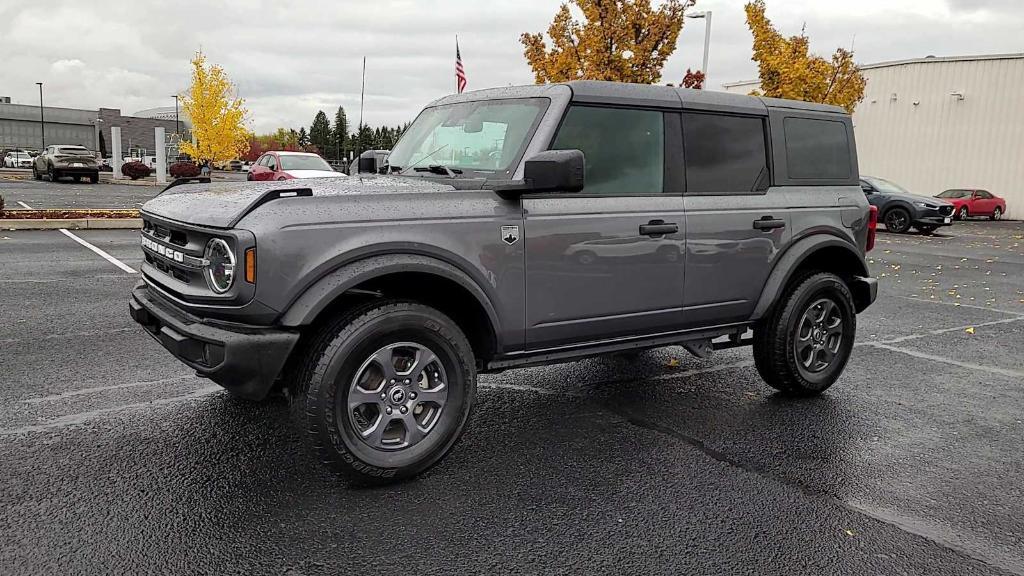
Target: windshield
(74, 150)
(290, 162)
(486, 137)
(886, 186)
(955, 194)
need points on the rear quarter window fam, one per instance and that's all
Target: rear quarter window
(817, 149)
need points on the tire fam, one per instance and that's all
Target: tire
(962, 213)
(586, 258)
(897, 220)
(35, 172)
(54, 175)
(94, 177)
(249, 177)
(997, 213)
(926, 229)
(778, 338)
(281, 179)
(345, 355)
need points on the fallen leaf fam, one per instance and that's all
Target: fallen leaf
(673, 362)
(848, 532)
(970, 330)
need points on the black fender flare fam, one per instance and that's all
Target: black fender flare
(897, 204)
(791, 260)
(320, 294)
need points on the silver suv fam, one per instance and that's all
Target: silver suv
(515, 227)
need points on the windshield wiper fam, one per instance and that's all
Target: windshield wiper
(439, 169)
(418, 162)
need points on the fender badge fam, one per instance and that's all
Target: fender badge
(510, 234)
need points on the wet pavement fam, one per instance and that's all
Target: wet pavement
(115, 459)
(66, 193)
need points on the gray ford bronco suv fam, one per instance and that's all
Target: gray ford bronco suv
(514, 227)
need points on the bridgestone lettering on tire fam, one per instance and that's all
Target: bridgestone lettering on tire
(400, 365)
(804, 344)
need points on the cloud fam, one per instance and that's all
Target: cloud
(291, 59)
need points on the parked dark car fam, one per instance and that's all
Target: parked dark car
(514, 227)
(899, 209)
(970, 202)
(61, 160)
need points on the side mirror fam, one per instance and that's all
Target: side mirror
(367, 164)
(555, 171)
(867, 189)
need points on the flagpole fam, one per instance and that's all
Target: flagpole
(359, 132)
(456, 56)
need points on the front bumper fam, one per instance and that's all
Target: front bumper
(244, 359)
(865, 291)
(942, 216)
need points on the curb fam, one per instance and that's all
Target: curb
(72, 224)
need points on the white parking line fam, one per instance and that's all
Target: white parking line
(84, 391)
(83, 417)
(944, 360)
(106, 256)
(26, 206)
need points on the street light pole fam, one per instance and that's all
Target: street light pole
(42, 124)
(706, 15)
(177, 127)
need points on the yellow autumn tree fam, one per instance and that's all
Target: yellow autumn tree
(620, 40)
(789, 70)
(217, 114)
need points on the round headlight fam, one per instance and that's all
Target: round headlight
(220, 267)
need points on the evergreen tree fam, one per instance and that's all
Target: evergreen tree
(340, 133)
(303, 138)
(320, 132)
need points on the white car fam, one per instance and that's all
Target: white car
(17, 159)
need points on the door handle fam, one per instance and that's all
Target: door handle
(769, 223)
(658, 228)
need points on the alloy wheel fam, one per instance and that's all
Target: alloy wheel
(997, 214)
(896, 220)
(397, 396)
(819, 334)
(963, 213)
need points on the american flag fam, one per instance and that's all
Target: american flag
(460, 72)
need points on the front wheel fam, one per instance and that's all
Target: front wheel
(962, 214)
(897, 220)
(926, 229)
(389, 389)
(803, 346)
(997, 213)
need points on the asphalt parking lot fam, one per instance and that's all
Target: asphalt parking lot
(24, 192)
(116, 459)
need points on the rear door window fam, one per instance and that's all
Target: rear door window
(724, 154)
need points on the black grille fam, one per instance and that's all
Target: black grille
(946, 210)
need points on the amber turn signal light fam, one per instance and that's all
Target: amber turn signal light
(250, 265)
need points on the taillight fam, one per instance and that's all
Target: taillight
(872, 226)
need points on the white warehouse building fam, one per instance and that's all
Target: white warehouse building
(931, 124)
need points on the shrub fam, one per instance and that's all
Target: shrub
(1, 205)
(135, 170)
(184, 170)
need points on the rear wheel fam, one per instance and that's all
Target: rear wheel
(897, 220)
(997, 213)
(94, 177)
(54, 175)
(35, 172)
(389, 389)
(803, 346)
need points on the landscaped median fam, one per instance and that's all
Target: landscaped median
(72, 219)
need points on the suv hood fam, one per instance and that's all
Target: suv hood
(917, 198)
(223, 204)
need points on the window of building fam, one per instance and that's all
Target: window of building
(817, 149)
(724, 154)
(624, 149)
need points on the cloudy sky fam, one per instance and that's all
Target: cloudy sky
(290, 59)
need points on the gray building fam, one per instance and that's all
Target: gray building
(20, 128)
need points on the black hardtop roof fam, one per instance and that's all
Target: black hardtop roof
(649, 95)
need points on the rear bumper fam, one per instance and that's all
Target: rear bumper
(865, 291)
(244, 359)
(83, 171)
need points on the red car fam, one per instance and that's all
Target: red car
(289, 165)
(968, 202)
